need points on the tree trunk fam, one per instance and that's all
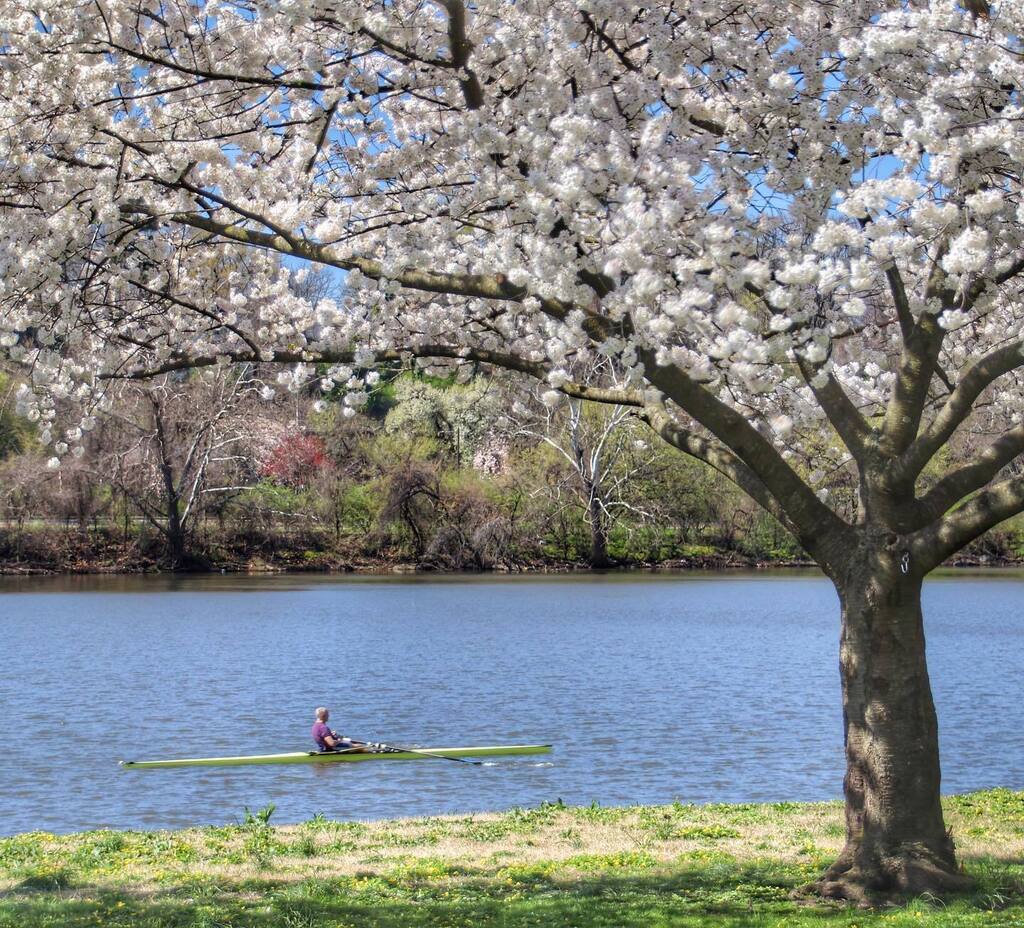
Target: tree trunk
(598, 535)
(896, 841)
(175, 535)
(175, 527)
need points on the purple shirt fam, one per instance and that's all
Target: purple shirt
(321, 731)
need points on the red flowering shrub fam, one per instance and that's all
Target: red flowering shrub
(296, 459)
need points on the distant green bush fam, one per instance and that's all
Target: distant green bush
(275, 497)
(766, 539)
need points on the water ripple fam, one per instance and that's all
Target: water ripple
(692, 687)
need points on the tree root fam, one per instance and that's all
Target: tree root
(872, 879)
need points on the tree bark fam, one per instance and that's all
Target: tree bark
(598, 535)
(175, 535)
(175, 531)
(896, 840)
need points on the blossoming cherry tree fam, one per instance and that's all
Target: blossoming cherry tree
(793, 230)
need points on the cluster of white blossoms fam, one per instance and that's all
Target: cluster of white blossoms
(762, 200)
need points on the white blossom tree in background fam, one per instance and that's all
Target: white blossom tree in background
(604, 459)
(776, 220)
(459, 417)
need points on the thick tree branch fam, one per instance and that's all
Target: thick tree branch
(461, 48)
(604, 395)
(851, 426)
(910, 392)
(975, 380)
(715, 455)
(900, 300)
(486, 286)
(856, 434)
(816, 526)
(961, 526)
(918, 362)
(970, 478)
(460, 353)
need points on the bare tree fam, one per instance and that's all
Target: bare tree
(176, 436)
(603, 455)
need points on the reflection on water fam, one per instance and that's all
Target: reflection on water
(653, 687)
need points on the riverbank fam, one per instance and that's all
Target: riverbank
(50, 550)
(53, 550)
(678, 865)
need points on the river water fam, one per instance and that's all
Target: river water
(651, 687)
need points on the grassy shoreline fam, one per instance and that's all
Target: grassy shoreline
(677, 865)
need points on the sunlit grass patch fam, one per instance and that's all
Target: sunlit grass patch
(598, 813)
(427, 870)
(623, 860)
(676, 866)
(514, 822)
(23, 850)
(1004, 804)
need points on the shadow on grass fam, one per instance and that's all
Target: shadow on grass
(687, 896)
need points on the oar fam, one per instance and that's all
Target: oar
(395, 747)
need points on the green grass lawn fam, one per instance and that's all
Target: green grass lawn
(719, 865)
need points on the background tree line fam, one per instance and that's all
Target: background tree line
(206, 469)
(216, 468)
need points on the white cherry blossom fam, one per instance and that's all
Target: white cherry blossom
(795, 232)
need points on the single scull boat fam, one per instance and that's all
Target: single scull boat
(331, 757)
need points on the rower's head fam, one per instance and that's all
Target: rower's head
(322, 714)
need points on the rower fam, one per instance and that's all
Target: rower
(328, 740)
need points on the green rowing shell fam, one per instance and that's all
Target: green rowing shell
(313, 757)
